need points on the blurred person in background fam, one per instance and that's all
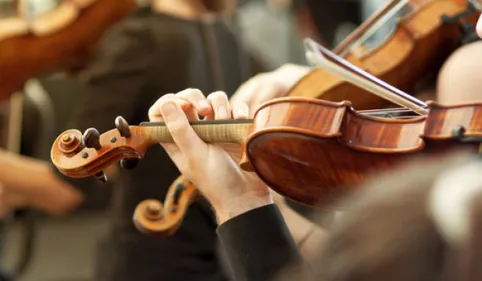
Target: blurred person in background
(425, 226)
(164, 47)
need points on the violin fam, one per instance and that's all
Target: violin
(419, 44)
(63, 38)
(298, 146)
(309, 150)
(154, 218)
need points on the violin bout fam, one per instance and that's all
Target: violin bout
(309, 150)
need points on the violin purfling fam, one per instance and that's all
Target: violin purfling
(309, 150)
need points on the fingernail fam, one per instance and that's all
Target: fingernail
(222, 112)
(168, 108)
(242, 111)
(203, 104)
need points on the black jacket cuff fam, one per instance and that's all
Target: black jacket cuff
(258, 244)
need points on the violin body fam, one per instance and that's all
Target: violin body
(26, 55)
(308, 150)
(314, 150)
(419, 46)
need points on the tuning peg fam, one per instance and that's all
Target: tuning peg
(101, 176)
(129, 163)
(122, 126)
(91, 138)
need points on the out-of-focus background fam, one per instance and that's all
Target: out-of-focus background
(64, 248)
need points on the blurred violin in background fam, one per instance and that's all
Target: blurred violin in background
(309, 150)
(63, 37)
(427, 33)
(418, 45)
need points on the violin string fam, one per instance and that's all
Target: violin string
(385, 110)
(344, 47)
(378, 24)
(317, 55)
(367, 76)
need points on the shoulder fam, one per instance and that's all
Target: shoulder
(133, 27)
(126, 47)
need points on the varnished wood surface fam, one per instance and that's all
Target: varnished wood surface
(71, 156)
(418, 47)
(315, 159)
(154, 218)
(27, 56)
(445, 118)
(308, 150)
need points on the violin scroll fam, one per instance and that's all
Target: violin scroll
(71, 141)
(154, 218)
(80, 155)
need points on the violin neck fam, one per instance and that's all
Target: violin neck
(216, 131)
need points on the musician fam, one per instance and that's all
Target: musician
(130, 72)
(398, 233)
(166, 47)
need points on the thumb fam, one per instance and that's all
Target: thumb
(181, 131)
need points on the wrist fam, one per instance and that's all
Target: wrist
(237, 206)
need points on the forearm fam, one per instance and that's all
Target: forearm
(35, 179)
(258, 245)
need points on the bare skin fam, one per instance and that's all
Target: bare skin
(230, 190)
(42, 189)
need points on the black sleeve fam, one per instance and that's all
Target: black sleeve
(114, 81)
(258, 245)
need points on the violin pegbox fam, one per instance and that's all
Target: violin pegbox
(80, 155)
(124, 130)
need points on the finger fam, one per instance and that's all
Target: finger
(220, 104)
(181, 131)
(266, 93)
(248, 90)
(173, 151)
(240, 110)
(189, 110)
(154, 112)
(197, 99)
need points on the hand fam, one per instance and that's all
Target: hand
(10, 201)
(267, 86)
(230, 190)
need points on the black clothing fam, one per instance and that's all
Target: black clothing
(143, 57)
(258, 245)
(329, 14)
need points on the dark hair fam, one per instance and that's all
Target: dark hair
(389, 232)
